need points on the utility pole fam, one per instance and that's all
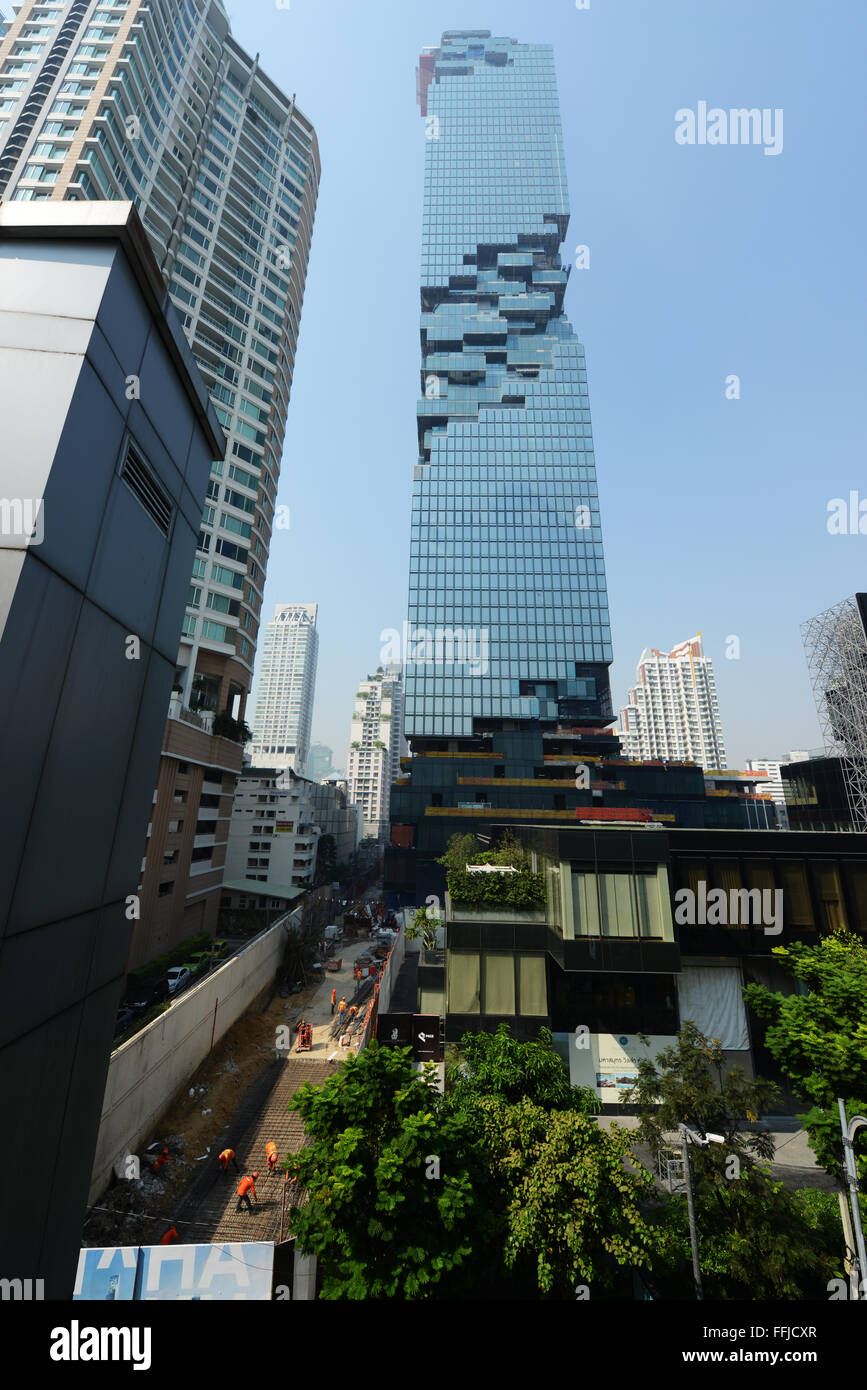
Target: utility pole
(690, 1207)
(703, 1139)
(849, 1130)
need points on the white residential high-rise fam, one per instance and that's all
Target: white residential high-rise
(672, 710)
(287, 681)
(376, 747)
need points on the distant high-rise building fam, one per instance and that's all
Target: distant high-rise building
(774, 787)
(155, 102)
(672, 710)
(287, 682)
(376, 747)
(320, 762)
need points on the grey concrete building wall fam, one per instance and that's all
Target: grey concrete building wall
(92, 361)
(154, 101)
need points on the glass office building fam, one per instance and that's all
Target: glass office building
(508, 613)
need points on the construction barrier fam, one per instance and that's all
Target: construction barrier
(382, 990)
(146, 1073)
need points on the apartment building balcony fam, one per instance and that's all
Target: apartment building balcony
(199, 736)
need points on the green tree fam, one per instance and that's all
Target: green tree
(460, 851)
(755, 1240)
(572, 1208)
(820, 1038)
(687, 1084)
(391, 1209)
(496, 1064)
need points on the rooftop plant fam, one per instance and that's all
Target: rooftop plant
(524, 889)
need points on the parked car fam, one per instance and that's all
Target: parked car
(178, 976)
(124, 1018)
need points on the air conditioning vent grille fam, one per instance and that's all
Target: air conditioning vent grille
(142, 482)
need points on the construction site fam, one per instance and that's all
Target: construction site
(238, 1099)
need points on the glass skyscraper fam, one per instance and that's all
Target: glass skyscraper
(508, 610)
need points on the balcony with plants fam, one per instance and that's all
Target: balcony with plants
(492, 884)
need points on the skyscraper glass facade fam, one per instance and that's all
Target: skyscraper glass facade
(508, 609)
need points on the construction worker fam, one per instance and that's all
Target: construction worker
(341, 1007)
(353, 1010)
(227, 1157)
(333, 999)
(245, 1187)
(271, 1156)
(162, 1160)
(171, 1237)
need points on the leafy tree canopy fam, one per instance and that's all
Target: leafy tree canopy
(686, 1085)
(391, 1210)
(496, 1064)
(820, 1038)
(755, 1240)
(573, 1210)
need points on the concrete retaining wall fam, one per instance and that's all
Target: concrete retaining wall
(146, 1073)
(390, 973)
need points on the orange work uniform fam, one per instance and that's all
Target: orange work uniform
(271, 1155)
(227, 1157)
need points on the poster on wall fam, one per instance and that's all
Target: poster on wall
(220, 1272)
(106, 1274)
(284, 827)
(197, 1272)
(609, 1061)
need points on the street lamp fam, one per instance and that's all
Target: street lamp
(849, 1131)
(689, 1136)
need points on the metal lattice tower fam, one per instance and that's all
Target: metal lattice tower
(835, 643)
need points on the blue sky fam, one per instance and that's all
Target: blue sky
(704, 262)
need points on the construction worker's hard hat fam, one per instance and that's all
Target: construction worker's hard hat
(255, 1175)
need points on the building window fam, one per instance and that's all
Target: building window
(499, 982)
(463, 982)
(798, 909)
(830, 895)
(532, 986)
